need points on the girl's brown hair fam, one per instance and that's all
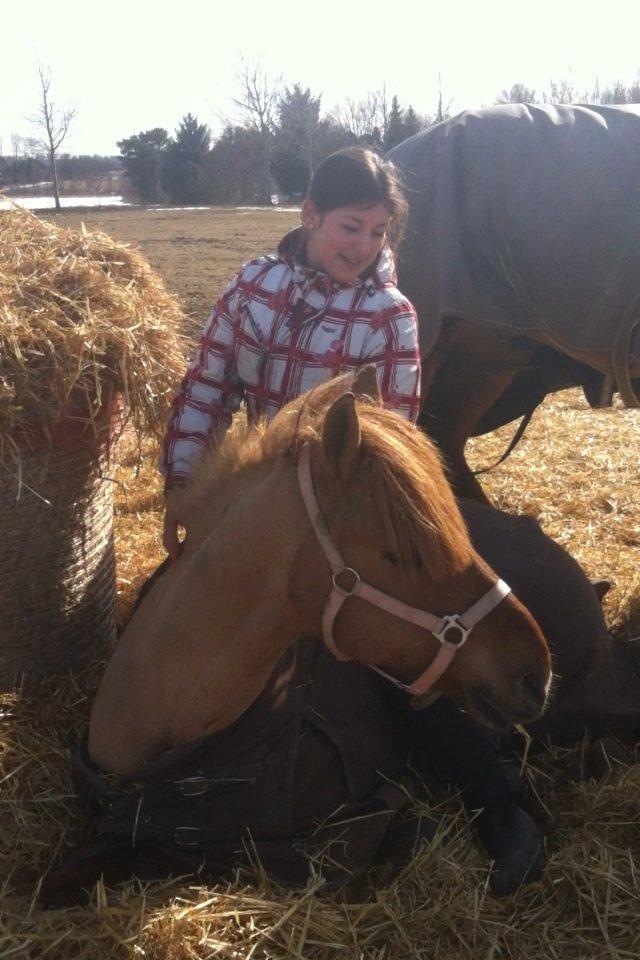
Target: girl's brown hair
(357, 176)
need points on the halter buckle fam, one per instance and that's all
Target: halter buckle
(187, 836)
(453, 622)
(346, 592)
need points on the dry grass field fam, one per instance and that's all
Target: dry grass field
(577, 471)
(195, 251)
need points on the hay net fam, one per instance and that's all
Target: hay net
(81, 316)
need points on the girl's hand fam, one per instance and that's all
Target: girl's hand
(170, 540)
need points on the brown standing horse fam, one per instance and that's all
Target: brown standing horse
(521, 257)
(252, 578)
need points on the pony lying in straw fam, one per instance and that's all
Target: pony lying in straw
(214, 721)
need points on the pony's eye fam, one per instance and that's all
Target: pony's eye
(392, 558)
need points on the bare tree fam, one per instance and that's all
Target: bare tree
(54, 124)
(443, 111)
(32, 147)
(366, 119)
(518, 93)
(563, 91)
(257, 107)
(17, 145)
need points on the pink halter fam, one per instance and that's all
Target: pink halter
(451, 630)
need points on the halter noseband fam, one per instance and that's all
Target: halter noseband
(451, 630)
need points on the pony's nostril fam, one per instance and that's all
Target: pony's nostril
(533, 688)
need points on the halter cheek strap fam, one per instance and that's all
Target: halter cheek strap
(451, 630)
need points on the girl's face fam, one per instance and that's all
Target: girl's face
(345, 241)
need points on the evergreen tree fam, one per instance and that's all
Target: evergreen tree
(395, 126)
(413, 122)
(142, 157)
(184, 175)
(296, 140)
(235, 167)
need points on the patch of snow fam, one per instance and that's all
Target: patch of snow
(240, 209)
(48, 203)
(29, 186)
(273, 209)
(160, 209)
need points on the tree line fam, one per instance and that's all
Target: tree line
(269, 146)
(279, 135)
(270, 150)
(24, 167)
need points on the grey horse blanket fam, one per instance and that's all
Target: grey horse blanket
(526, 218)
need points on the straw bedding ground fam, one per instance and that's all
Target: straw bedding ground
(577, 471)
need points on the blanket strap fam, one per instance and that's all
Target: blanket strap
(515, 440)
(621, 351)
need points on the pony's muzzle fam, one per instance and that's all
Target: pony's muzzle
(524, 702)
(533, 689)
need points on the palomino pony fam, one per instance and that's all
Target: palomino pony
(252, 578)
(216, 717)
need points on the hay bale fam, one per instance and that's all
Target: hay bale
(87, 331)
(57, 561)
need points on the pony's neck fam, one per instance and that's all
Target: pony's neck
(203, 644)
(237, 584)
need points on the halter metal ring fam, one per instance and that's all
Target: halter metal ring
(453, 622)
(356, 580)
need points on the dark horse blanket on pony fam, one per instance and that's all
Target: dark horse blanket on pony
(316, 769)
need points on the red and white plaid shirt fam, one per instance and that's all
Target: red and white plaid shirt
(280, 328)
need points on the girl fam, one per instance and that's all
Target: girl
(326, 303)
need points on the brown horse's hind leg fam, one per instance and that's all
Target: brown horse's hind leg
(468, 371)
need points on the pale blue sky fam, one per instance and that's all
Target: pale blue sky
(129, 66)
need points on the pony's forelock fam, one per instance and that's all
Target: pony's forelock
(411, 494)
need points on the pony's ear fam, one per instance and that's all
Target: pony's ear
(365, 383)
(341, 436)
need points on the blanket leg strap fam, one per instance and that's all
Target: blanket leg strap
(621, 351)
(515, 440)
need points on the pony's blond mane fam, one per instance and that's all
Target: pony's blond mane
(401, 468)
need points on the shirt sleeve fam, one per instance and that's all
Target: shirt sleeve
(393, 346)
(209, 395)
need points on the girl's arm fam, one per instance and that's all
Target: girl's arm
(209, 395)
(393, 346)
